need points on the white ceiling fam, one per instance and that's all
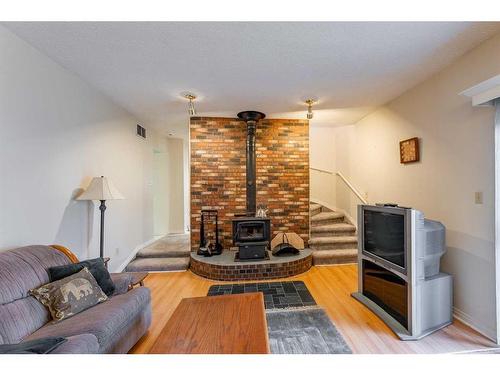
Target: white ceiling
(271, 67)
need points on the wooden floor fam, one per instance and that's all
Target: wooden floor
(331, 287)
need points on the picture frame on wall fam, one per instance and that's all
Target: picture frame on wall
(409, 150)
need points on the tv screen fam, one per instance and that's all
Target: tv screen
(384, 236)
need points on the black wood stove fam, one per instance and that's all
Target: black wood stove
(250, 233)
(252, 236)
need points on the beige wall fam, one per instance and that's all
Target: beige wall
(57, 132)
(176, 185)
(331, 151)
(457, 159)
(321, 155)
(161, 201)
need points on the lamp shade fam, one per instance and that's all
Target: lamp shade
(100, 189)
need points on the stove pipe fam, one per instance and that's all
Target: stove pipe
(251, 118)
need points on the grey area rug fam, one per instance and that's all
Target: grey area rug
(306, 330)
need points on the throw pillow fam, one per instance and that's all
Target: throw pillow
(96, 267)
(38, 346)
(71, 295)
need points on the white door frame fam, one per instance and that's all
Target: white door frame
(497, 224)
(485, 94)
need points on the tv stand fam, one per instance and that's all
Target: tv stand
(432, 307)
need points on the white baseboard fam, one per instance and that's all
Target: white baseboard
(466, 319)
(176, 234)
(333, 208)
(134, 252)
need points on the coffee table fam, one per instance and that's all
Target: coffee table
(229, 324)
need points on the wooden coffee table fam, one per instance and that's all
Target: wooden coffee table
(230, 324)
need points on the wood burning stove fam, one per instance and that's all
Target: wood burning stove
(252, 236)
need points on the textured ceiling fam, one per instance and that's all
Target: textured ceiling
(351, 67)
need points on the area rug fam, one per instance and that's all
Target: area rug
(277, 295)
(304, 331)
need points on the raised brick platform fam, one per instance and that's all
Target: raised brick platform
(223, 267)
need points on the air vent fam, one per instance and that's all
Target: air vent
(141, 132)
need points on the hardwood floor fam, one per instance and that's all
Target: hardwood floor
(331, 287)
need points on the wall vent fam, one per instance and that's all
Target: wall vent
(141, 132)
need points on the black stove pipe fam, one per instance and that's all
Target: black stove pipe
(251, 118)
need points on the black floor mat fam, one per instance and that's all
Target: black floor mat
(277, 295)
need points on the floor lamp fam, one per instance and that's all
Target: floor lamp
(100, 189)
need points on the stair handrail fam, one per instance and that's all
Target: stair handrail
(345, 180)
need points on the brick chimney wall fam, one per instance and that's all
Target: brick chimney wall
(218, 173)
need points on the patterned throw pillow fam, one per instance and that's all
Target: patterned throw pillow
(71, 295)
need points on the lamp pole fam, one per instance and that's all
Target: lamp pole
(100, 189)
(102, 208)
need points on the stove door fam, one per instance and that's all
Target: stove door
(250, 231)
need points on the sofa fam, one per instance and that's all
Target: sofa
(113, 326)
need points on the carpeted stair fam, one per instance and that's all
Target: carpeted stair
(169, 253)
(333, 238)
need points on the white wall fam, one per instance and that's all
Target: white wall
(56, 133)
(457, 159)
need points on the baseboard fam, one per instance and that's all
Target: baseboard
(133, 253)
(169, 271)
(333, 208)
(176, 234)
(468, 321)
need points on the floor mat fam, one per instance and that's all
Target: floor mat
(277, 295)
(304, 331)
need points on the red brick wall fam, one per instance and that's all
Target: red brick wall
(218, 173)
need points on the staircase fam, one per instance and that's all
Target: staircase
(333, 239)
(169, 253)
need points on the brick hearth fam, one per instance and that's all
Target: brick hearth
(222, 267)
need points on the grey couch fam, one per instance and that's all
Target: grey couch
(113, 326)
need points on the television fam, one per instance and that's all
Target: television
(390, 234)
(399, 278)
(384, 236)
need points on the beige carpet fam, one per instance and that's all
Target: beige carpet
(169, 253)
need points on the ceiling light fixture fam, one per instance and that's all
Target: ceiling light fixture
(310, 103)
(191, 97)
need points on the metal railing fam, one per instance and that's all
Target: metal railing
(345, 180)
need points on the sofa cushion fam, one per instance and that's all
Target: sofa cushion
(71, 295)
(25, 268)
(104, 320)
(96, 267)
(21, 318)
(21, 270)
(79, 344)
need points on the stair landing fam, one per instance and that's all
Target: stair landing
(169, 253)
